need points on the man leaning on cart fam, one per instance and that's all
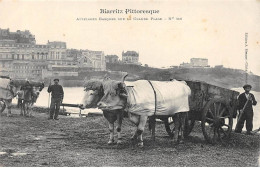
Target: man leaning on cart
(246, 101)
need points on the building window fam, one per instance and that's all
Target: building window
(17, 56)
(22, 56)
(12, 56)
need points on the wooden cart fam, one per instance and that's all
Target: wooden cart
(213, 106)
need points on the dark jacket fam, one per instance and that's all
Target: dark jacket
(242, 100)
(56, 91)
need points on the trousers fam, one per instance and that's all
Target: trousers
(248, 117)
(55, 107)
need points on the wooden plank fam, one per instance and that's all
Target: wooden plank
(70, 105)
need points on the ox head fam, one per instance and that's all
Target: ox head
(115, 95)
(31, 90)
(93, 92)
(36, 89)
(15, 86)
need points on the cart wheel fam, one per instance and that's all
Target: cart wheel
(2, 106)
(216, 120)
(169, 126)
(189, 124)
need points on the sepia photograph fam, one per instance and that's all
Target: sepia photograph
(148, 83)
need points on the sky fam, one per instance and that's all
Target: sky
(207, 29)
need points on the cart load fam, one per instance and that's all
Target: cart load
(213, 106)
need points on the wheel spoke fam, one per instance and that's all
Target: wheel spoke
(218, 110)
(221, 113)
(211, 113)
(215, 109)
(209, 119)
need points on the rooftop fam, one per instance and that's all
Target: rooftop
(130, 53)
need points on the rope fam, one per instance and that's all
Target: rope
(155, 97)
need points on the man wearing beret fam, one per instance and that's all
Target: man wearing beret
(246, 101)
(57, 95)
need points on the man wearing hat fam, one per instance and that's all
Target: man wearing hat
(246, 101)
(57, 95)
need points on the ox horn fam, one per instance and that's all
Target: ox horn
(123, 78)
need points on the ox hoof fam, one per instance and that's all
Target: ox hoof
(110, 142)
(140, 145)
(119, 142)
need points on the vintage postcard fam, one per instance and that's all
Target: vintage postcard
(149, 83)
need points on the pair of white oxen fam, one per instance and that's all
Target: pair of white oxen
(140, 100)
(26, 91)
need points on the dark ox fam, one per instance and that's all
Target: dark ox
(93, 93)
(116, 97)
(28, 95)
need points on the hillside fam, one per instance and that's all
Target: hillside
(223, 77)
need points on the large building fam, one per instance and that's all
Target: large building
(93, 59)
(15, 56)
(18, 36)
(74, 55)
(196, 62)
(130, 57)
(24, 56)
(199, 62)
(20, 48)
(57, 53)
(111, 58)
(30, 69)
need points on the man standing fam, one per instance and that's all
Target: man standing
(245, 102)
(57, 95)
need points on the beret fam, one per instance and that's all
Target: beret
(247, 85)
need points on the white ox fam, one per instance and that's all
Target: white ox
(8, 90)
(140, 101)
